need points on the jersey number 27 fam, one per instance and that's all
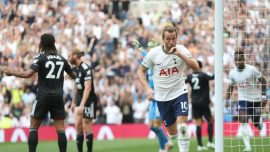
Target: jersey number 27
(52, 66)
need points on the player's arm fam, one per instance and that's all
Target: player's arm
(146, 63)
(210, 76)
(262, 80)
(190, 62)
(231, 85)
(263, 83)
(142, 77)
(87, 86)
(264, 96)
(229, 91)
(19, 73)
(69, 70)
(75, 90)
(86, 92)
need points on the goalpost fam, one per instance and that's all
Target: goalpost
(246, 27)
(218, 76)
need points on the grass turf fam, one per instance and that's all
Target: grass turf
(137, 145)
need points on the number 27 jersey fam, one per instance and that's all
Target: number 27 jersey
(50, 69)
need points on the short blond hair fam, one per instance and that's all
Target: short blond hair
(169, 27)
(77, 52)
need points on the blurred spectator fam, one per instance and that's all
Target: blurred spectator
(140, 108)
(24, 120)
(28, 97)
(113, 113)
(7, 121)
(126, 106)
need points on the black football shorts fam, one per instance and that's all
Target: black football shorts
(201, 111)
(90, 110)
(44, 104)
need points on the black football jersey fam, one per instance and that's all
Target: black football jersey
(83, 73)
(50, 69)
(199, 82)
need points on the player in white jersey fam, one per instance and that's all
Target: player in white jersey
(155, 122)
(251, 91)
(167, 62)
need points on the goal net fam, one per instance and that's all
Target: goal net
(246, 29)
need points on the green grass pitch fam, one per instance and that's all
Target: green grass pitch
(137, 145)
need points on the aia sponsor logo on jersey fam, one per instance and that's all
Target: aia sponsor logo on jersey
(244, 85)
(168, 72)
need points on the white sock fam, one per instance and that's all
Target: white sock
(240, 131)
(183, 139)
(245, 134)
(263, 132)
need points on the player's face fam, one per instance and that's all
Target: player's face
(170, 39)
(239, 61)
(71, 58)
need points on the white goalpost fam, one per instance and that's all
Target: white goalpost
(218, 76)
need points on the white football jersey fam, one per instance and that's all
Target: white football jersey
(169, 82)
(247, 83)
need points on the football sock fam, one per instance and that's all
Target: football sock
(79, 142)
(199, 135)
(210, 132)
(245, 134)
(155, 130)
(62, 141)
(183, 140)
(162, 139)
(89, 141)
(32, 140)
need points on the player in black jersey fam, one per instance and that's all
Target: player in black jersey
(50, 67)
(84, 99)
(199, 82)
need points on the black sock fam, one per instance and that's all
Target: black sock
(210, 132)
(32, 140)
(79, 142)
(89, 142)
(62, 141)
(199, 135)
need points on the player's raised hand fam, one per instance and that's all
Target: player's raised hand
(150, 94)
(174, 51)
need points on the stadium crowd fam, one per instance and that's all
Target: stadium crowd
(106, 30)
